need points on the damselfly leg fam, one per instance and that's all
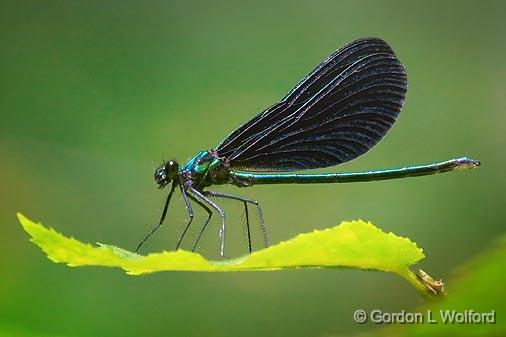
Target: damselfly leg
(162, 218)
(217, 208)
(190, 216)
(245, 201)
(203, 228)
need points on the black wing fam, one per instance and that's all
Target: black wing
(336, 113)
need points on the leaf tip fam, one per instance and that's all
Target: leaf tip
(21, 217)
(25, 222)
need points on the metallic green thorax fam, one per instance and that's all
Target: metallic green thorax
(206, 169)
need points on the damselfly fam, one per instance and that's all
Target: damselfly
(336, 113)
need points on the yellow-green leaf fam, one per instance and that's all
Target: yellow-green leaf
(354, 244)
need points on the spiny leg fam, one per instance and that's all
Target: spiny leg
(245, 201)
(246, 212)
(162, 218)
(247, 226)
(209, 213)
(190, 215)
(202, 197)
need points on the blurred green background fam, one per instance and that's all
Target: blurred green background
(93, 94)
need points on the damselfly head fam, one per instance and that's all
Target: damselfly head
(165, 173)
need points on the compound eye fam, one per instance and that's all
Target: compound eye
(171, 167)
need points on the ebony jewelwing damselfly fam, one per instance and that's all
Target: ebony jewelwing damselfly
(336, 113)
